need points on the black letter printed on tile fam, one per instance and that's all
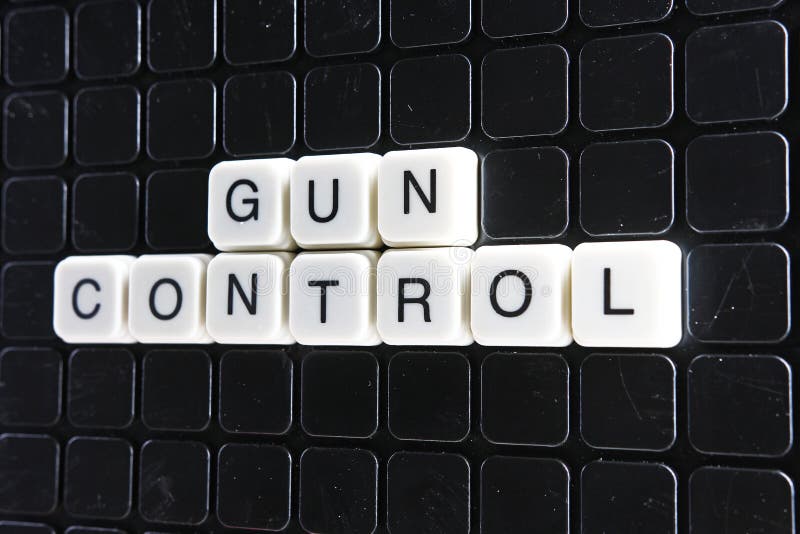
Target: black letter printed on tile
(740, 405)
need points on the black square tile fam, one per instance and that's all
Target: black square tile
(627, 188)
(738, 293)
(105, 212)
(26, 300)
(255, 390)
(259, 113)
(92, 530)
(737, 182)
(36, 45)
(35, 130)
(334, 28)
(177, 209)
(525, 91)
(34, 215)
(339, 394)
(106, 125)
(181, 35)
(422, 22)
(29, 465)
(442, 111)
(258, 31)
(718, 7)
(338, 491)
(173, 482)
(21, 527)
(517, 493)
(525, 399)
(254, 486)
(98, 477)
(107, 38)
(429, 396)
(628, 401)
(752, 57)
(525, 193)
(101, 388)
(626, 82)
(740, 405)
(343, 94)
(628, 497)
(741, 501)
(30, 386)
(167, 407)
(602, 13)
(514, 18)
(428, 492)
(181, 119)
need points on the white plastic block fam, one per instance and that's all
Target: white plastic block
(248, 205)
(334, 201)
(167, 301)
(247, 299)
(423, 296)
(332, 298)
(90, 299)
(428, 197)
(627, 294)
(521, 295)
